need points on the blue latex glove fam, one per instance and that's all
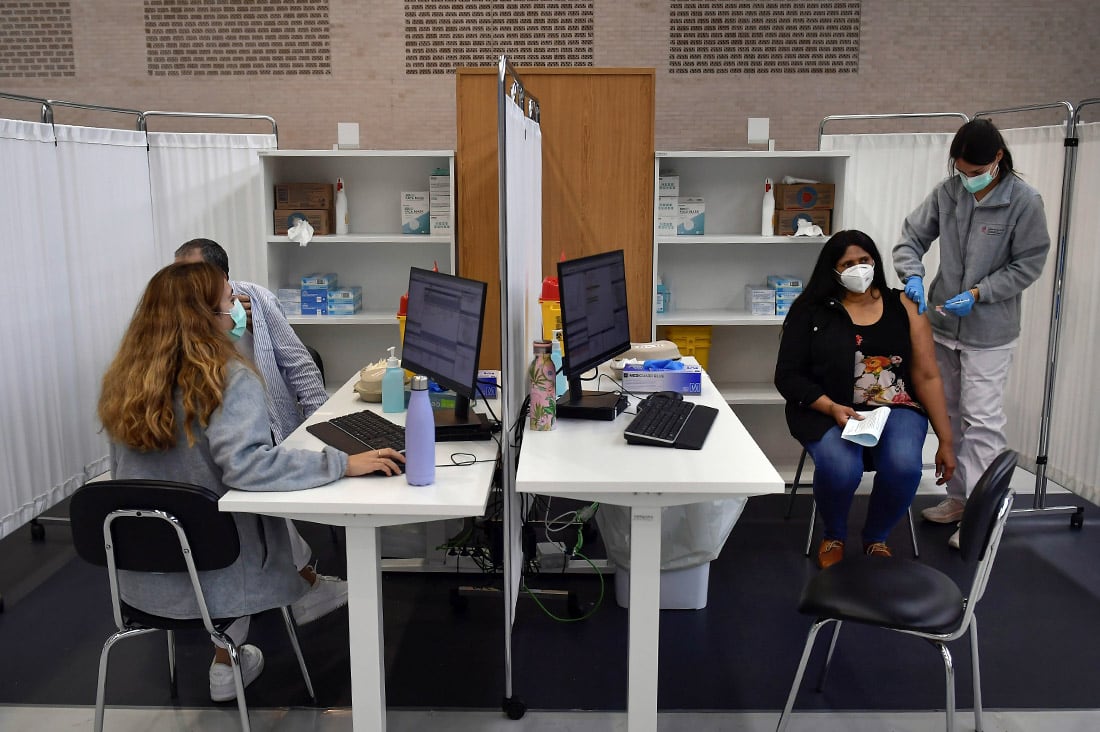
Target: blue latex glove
(960, 305)
(662, 364)
(914, 290)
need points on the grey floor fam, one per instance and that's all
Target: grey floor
(338, 720)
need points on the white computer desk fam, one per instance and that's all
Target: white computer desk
(591, 461)
(362, 505)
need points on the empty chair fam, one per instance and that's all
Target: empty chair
(160, 526)
(913, 598)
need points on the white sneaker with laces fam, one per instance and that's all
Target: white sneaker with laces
(947, 511)
(324, 596)
(222, 686)
(953, 540)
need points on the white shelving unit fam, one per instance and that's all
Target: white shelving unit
(375, 254)
(707, 274)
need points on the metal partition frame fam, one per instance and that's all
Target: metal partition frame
(899, 115)
(511, 363)
(1068, 169)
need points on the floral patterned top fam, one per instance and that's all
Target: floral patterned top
(882, 378)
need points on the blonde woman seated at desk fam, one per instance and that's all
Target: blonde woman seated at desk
(180, 403)
(850, 343)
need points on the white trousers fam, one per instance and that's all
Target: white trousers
(299, 547)
(974, 384)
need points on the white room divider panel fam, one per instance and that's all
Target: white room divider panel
(211, 185)
(80, 222)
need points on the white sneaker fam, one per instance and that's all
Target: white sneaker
(953, 540)
(947, 511)
(222, 686)
(326, 594)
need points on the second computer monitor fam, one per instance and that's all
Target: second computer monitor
(595, 327)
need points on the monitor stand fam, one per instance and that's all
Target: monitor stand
(460, 424)
(601, 405)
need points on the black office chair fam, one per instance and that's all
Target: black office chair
(868, 467)
(910, 597)
(112, 528)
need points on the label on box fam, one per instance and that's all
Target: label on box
(415, 208)
(290, 294)
(778, 281)
(668, 207)
(325, 280)
(787, 294)
(314, 309)
(487, 381)
(345, 294)
(687, 381)
(439, 184)
(439, 202)
(439, 224)
(759, 293)
(344, 308)
(668, 185)
(782, 309)
(666, 227)
(804, 195)
(762, 308)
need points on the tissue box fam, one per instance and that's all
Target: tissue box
(786, 222)
(304, 195)
(325, 280)
(415, 211)
(778, 281)
(487, 381)
(322, 221)
(687, 381)
(668, 185)
(803, 196)
(692, 217)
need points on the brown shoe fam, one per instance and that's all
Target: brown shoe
(877, 549)
(830, 552)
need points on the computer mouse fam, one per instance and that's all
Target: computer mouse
(672, 395)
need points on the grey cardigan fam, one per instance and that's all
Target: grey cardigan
(998, 244)
(234, 451)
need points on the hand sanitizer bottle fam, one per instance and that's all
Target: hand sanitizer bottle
(341, 208)
(420, 436)
(767, 213)
(662, 296)
(393, 385)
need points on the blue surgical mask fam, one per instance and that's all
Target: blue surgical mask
(240, 320)
(978, 182)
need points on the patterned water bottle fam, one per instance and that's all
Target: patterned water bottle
(420, 436)
(544, 407)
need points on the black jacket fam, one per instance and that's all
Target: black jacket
(817, 356)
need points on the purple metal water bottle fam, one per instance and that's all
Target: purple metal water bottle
(419, 436)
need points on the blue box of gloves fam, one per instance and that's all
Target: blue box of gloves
(663, 376)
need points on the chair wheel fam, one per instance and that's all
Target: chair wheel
(38, 531)
(514, 707)
(1077, 520)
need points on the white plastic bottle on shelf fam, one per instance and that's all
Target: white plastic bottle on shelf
(767, 213)
(420, 436)
(393, 385)
(341, 207)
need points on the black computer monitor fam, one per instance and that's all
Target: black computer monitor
(443, 324)
(595, 327)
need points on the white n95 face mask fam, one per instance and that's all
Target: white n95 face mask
(857, 278)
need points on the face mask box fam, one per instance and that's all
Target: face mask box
(786, 295)
(415, 212)
(309, 308)
(782, 308)
(777, 282)
(759, 300)
(346, 294)
(667, 227)
(326, 280)
(687, 381)
(439, 183)
(668, 185)
(345, 308)
(487, 381)
(786, 221)
(693, 212)
(439, 224)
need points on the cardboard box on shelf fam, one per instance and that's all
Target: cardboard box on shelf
(326, 280)
(693, 217)
(415, 208)
(322, 220)
(804, 195)
(304, 195)
(668, 185)
(759, 300)
(786, 221)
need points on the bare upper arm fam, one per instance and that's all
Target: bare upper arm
(921, 343)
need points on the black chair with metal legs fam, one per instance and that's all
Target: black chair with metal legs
(868, 466)
(161, 526)
(911, 597)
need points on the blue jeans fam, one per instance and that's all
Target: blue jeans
(838, 468)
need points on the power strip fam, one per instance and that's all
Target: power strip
(551, 554)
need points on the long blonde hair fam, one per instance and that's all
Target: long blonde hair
(174, 341)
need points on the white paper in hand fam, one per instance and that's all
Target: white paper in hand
(866, 431)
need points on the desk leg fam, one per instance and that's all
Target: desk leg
(368, 665)
(645, 603)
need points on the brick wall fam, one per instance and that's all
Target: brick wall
(387, 63)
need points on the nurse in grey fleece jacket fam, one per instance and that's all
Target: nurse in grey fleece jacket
(993, 245)
(180, 403)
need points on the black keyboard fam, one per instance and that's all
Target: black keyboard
(360, 431)
(668, 422)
